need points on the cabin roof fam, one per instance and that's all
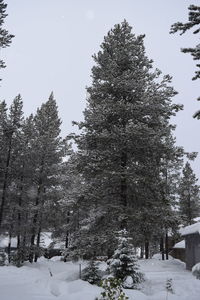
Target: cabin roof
(191, 229)
(180, 245)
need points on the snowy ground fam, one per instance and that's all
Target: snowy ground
(33, 282)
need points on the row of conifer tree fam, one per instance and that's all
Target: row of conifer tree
(125, 173)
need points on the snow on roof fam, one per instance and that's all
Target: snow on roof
(191, 229)
(197, 219)
(45, 239)
(4, 240)
(180, 245)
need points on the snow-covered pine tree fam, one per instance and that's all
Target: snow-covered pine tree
(122, 142)
(91, 272)
(23, 191)
(189, 196)
(123, 264)
(65, 220)
(5, 37)
(3, 121)
(10, 124)
(193, 23)
(48, 150)
(112, 290)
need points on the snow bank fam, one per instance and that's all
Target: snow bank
(196, 270)
(158, 256)
(33, 282)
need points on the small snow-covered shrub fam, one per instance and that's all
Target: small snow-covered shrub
(112, 290)
(17, 257)
(3, 258)
(196, 271)
(91, 273)
(123, 265)
(169, 286)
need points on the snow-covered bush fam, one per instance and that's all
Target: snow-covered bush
(3, 258)
(169, 286)
(196, 271)
(123, 265)
(91, 273)
(112, 290)
(18, 257)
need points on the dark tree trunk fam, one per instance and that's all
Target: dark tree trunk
(9, 248)
(146, 247)
(35, 221)
(67, 233)
(5, 182)
(162, 248)
(38, 245)
(19, 215)
(36, 215)
(167, 246)
(123, 187)
(142, 251)
(189, 210)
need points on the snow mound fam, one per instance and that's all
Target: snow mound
(128, 283)
(158, 256)
(196, 271)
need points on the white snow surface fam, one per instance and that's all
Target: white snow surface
(33, 282)
(180, 245)
(191, 229)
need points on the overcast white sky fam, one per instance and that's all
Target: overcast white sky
(54, 42)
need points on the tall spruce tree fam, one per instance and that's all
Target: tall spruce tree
(48, 149)
(123, 138)
(189, 196)
(23, 188)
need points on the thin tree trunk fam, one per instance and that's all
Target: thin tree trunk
(162, 248)
(19, 217)
(67, 233)
(123, 187)
(38, 244)
(167, 246)
(189, 210)
(35, 217)
(9, 248)
(5, 183)
(24, 238)
(142, 251)
(146, 247)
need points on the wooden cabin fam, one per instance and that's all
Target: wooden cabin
(50, 246)
(191, 234)
(178, 251)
